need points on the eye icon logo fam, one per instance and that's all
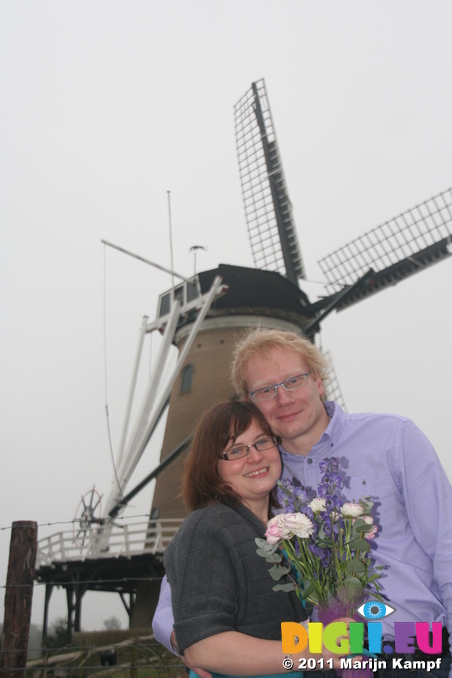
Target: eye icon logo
(375, 610)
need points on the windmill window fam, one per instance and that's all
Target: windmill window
(179, 294)
(192, 292)
(165, 305)
(187, 379)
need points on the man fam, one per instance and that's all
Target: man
(385, 457)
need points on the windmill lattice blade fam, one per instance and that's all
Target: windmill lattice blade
(332, 386)
(268, 210)
(398, 248)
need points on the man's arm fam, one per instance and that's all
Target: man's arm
(163, 621)
(162, 625)
(428, 497)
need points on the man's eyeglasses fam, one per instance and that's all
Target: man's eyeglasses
(289, 384)
(243, 450)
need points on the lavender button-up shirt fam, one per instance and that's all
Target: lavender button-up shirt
(387, 458)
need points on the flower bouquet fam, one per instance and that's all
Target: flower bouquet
(326, 544)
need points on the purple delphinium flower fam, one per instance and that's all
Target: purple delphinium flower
(322, 491)
(301, 494)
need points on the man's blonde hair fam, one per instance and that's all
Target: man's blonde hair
(262, 341)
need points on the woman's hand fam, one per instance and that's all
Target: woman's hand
(201, 672)
(234, 653)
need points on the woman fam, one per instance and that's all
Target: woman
(227, 616)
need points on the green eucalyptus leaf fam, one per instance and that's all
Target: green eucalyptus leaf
(350, 590)
(360, 545)
(359, 535)
(353, 587)
(263, 553)
(265, 546)
(355, 566)
(276, 558)
(285, 587)
(358, 524)
(276, 572)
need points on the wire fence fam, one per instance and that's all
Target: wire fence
(126, 657)
(83, 582)
(75, 521)
(83, 659)
(135, 656)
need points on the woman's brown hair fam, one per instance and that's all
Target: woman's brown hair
(219, 426)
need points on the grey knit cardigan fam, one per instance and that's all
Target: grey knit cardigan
(219, 583)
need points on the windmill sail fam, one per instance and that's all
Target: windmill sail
(268, 210)
(400, 247)
(332, 387)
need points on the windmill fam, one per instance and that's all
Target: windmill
(202, 316)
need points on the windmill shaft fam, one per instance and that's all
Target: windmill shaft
(154, 474)
(145, 261)
(132, 390)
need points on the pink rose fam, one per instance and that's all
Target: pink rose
(372, 533)
(369, 521)
(276, 530)
(273, 534)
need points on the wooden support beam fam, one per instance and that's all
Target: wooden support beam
(45, 624)
(18, 599)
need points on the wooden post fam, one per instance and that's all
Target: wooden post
(18, 598)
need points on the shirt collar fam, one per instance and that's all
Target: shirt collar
(332, 432)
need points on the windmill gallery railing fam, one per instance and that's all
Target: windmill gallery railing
(126, 540)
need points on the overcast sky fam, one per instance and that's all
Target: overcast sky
(107, 105)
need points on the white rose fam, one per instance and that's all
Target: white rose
(299, 524)
(352, 510)
(317, 505)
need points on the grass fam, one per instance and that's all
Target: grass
(137, 657)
